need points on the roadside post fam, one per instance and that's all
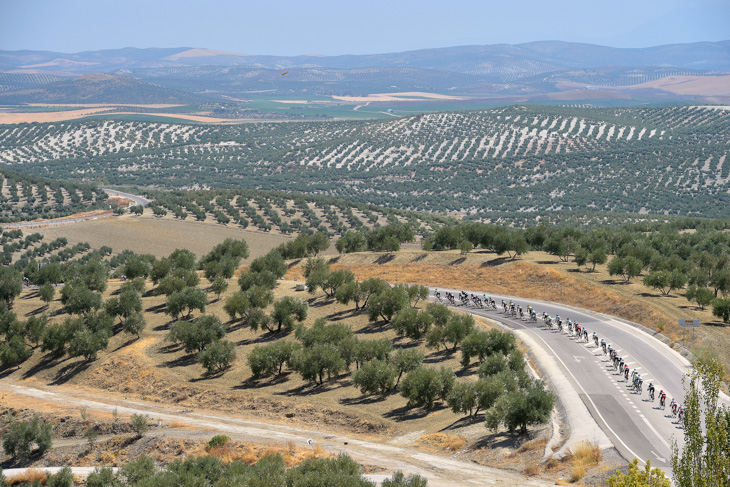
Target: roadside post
(684, 324)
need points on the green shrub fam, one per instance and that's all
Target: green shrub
(218, 441)
(218, 356)
(424, 385)
(139, 424)
(27, 438)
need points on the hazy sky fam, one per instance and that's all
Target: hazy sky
(288, 27)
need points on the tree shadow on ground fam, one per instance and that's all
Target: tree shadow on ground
(184, 361)
(156, 309)
(438, 356)
(619, 282)
(334, 260)
(458, 261)
(36, 311)
(405, 342)
(252, 383)
(715, 323)
(340, 315)
(209, 375)
(319, 303)
(362, 400)
(31, 295)
(384, 259)
(651, 295)
(164, 326)
(406, 413)
(171, 348)
(503, 439)
(374, 327)
(420, 257)
(69, 371)
(127, 343)
(265, 338)
(496, 262)
(7, 372)
(310, 389)
(467, 371)
(150, 293)
(46, 362)
(463, 422)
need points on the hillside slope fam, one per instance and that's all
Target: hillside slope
(517, 162)
(98, 88)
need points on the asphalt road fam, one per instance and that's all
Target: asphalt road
(635, 425)
(139, 200)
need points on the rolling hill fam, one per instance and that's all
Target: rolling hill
(517, 163)
(98, 88)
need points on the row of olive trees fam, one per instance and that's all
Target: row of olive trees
(271, 470)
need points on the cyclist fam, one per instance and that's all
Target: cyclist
(651, 391)
(595, 337)
(681, 413)
(662, 399)
(673, 406)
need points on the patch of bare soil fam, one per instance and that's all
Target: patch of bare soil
(117, 444)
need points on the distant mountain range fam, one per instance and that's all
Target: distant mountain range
(533, 57)
(492, 70)
(98, 88)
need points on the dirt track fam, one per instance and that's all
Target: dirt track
(441, 471)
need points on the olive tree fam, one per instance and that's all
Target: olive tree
(287, 311)
(375, 377)
(386, 303)
(218, 356)
(267, 360)
(27, 438)
(197, 334)
(11, 284)
(424, 385)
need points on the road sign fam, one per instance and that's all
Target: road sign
(689, 323)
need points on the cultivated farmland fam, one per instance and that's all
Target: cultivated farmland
(515, 163)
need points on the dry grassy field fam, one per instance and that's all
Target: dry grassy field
(158, 370)
(160, 236)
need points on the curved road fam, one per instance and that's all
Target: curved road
(635, 425)
(139, 200)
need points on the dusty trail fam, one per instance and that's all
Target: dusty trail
(441, 471)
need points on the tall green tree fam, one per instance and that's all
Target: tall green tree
(704, 460)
